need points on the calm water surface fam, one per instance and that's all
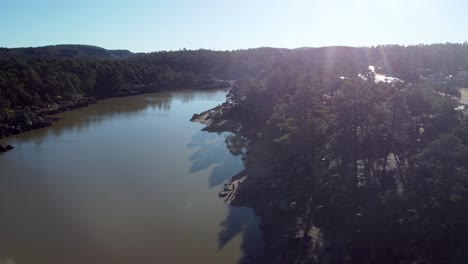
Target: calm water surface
(127, 180)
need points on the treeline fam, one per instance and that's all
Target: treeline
(34, 83)
(66, 51)
(409, 63)
(31, 76)
(32, 89)
(56, 78)
(380, 168)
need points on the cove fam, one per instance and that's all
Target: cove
(126, 180)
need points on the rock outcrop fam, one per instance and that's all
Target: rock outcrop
(22, 122)
(215, 121)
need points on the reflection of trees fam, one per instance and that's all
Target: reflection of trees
(121, 107)
(222, 151)
(236, 144)
(241, 220)
(83, 118)
(211, 151)
(187, 96)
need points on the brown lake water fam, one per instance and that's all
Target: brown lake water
(127, 180)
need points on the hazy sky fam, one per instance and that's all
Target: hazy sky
(151, 25)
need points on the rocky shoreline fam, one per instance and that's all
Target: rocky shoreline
(29, 119)
(281, 222)
(215, 122)
(23, 120)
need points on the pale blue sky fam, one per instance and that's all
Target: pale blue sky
(143, 26)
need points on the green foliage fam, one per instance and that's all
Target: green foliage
(71, 71)
(386, 162)
(394, 152)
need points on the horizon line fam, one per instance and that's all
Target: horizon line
(240, 49)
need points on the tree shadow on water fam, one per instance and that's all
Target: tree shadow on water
(222, 152)
(211, 151)
(242, 221)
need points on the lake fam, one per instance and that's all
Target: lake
(127, 180)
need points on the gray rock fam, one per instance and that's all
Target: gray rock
(223, 194)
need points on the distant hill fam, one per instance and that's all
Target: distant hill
(67, 51)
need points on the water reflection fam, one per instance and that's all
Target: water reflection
(241, 220)
(114, 108)
(211, 152)
(109, 184)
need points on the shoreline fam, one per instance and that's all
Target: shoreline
(214, 122)
(286, 230)
(28, 119)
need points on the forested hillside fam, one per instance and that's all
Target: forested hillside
(35, 82)
(66, 51)
(342, 169)
(31, 76)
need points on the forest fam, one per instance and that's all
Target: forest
(344, 169)
(379, 170)
(358, 171)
